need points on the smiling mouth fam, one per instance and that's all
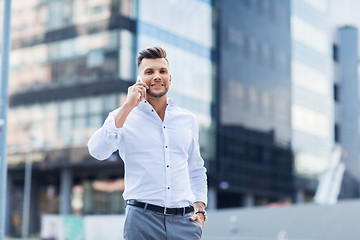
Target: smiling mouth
(157, 85)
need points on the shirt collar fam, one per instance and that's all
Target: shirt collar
(170, 102)
(145, 105)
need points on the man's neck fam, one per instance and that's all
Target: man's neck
(159, 104)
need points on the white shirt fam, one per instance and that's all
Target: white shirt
(162, 161)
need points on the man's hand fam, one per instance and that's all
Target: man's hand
(200, 218)
(136, 93)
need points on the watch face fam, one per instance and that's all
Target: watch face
(203, 213)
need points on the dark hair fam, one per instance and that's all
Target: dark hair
(154, 52)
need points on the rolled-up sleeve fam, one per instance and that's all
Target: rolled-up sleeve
(197, 171)
(106, 139)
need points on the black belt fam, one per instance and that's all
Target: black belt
(164, 210)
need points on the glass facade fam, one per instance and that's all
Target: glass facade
(312, 88)
(71, 63)
(254, 92)
(64, 53)
(255, 67)
(60, 124)
(79, 60)
(189, 52)
(41, 16)
(99, 197)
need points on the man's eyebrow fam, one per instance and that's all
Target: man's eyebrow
(151, 68)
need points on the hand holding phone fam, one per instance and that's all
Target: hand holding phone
(140, 80)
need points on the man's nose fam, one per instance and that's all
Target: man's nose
(157, 76)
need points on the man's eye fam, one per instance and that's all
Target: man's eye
(163, 71)
(149, 72)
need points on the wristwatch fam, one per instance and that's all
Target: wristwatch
(203, 212)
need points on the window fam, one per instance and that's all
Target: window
(335, 53)
(65, 109)
(103, 196)
(126, 57)
(128, 8)
(337, 133)
(336, 93)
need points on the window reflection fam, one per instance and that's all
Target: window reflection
(300, 29)
(95, 57)
(99, 196)
(126, 54)
(38, 16)
(310, 122)
(174, 14)
(128, 8)
(56, 125)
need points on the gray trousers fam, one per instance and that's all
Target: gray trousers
(141, 224)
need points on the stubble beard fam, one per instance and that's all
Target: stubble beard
(157, 95)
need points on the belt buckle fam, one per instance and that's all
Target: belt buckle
(165, 213)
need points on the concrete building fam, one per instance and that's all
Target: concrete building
(347, 118)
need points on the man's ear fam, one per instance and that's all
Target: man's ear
(170, 80)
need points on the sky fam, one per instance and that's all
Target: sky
(345, 12)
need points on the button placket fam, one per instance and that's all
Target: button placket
(167, 165)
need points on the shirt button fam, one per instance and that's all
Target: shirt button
(152, 110)
(165, 146)
(163, 126)
(145, 102)
(167, 165)
(168, 187)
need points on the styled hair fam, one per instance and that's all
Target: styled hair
(153, 52)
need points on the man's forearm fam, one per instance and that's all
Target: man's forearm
(102, 143)
(122, 114)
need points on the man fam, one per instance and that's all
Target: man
(165, 178)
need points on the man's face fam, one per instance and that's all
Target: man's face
(155, 73)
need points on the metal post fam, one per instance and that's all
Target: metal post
(65, 191)
(27, 195)
(5, 52)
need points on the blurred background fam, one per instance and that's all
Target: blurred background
(274, 85)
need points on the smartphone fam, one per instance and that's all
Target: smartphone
(141, 82)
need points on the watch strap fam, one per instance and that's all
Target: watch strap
(203, 212)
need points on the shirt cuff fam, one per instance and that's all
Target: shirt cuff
(201, 199)
(112, 131)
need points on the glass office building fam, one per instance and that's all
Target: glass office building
(254, 101)
(312, 107)
(71, 63)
